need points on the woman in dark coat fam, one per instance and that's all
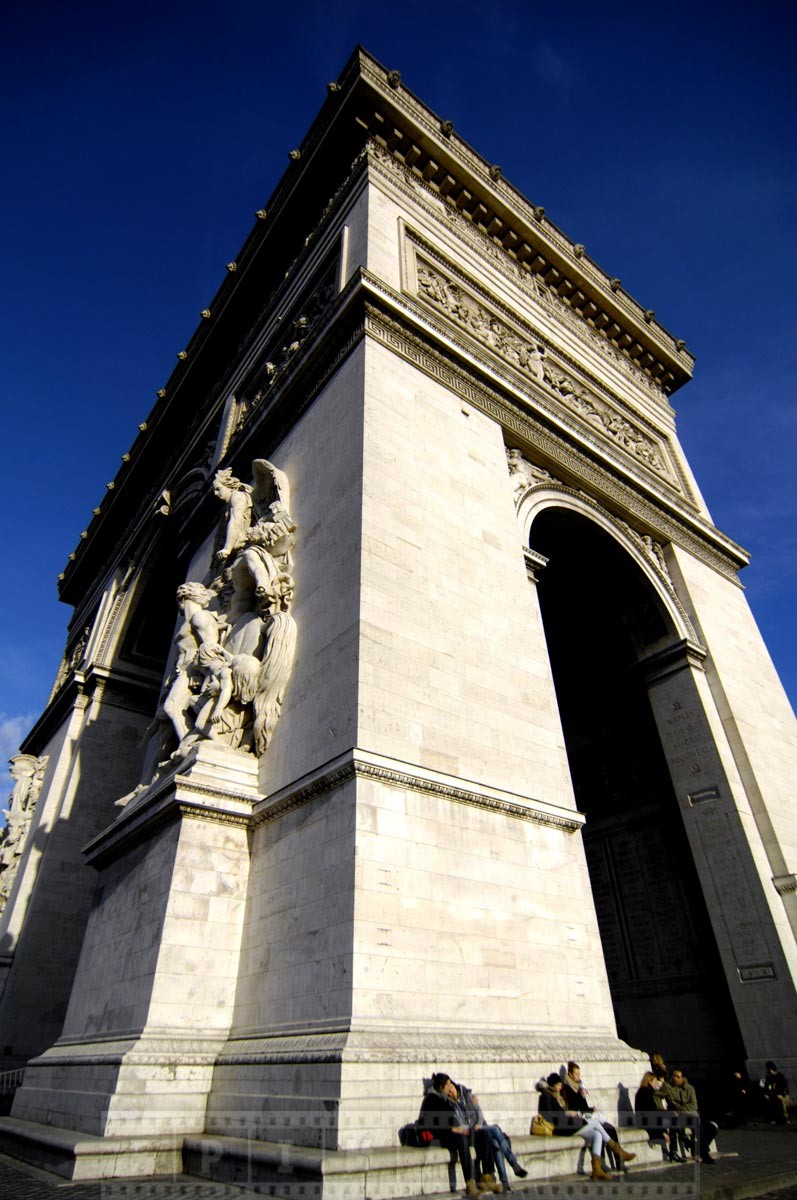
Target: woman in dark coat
(648, 1100)
(566, 1122)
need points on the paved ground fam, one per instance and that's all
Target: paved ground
(758, 1162)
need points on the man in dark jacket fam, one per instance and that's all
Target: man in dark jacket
(445, 1114)
(775, 1095)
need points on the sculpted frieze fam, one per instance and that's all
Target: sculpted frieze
(236, 637)
(27, 771)
(280, 354)
(674, 520)
(529, 282)
(72, 659)
(532, 359)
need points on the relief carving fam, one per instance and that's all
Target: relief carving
(270, 370)
(525, 474)
(532, 359)
(74, 656)
(236, 638)
(512, 269)
(652, 550)
(27, 771)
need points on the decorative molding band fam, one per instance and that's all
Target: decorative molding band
(159, 805)
(530, 478)
(342, 773)
(785, 884)
(527, 352)
(412, 1045)
(455, 376)
(423, 194)
(672, 659)
(535, 563)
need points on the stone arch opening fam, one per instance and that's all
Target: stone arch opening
(602, 617)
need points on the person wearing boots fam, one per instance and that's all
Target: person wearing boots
(443, 1112)
(681, 1096)
(568, 1122)
(649, 1100)
(577, 1100)
(501, 1145)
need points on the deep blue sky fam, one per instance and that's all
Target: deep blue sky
(139, 140)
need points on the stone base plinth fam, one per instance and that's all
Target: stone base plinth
(379, 1173)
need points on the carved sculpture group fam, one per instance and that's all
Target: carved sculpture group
(236, 638)
(27, 771)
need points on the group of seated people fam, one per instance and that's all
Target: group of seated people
(565, 1103)
(764, 1100)
(665, 1106)
(668, 1090)
(453, 1115)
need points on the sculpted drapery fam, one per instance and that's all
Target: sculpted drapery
(236, 639)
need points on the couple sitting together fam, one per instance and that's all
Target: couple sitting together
(453, 1114)
(565, 1103)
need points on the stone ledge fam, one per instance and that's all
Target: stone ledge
(377, 1173)
(76, 1155)
(380, 1173)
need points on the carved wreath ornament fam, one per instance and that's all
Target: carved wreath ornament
(236, 638)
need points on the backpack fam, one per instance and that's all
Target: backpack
(413, 1135)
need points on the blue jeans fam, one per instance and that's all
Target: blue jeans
(502, 1151)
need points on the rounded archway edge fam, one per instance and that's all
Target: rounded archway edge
(646, 553)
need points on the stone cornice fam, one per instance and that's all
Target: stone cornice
(399, 178)
(419, 1044)
(416, 137)
(555, 380)
(115, 686)
(390, 319)
(212, 784)
(358, 765)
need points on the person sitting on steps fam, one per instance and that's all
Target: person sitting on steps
(443, 1112)
(648, 1100)
(682, 1098)
(577, 1100)
(501, 1145)
(566, 1122)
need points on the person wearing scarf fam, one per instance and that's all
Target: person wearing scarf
(577, 1099)
(566, 1122)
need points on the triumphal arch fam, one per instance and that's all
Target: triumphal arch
(412, 715)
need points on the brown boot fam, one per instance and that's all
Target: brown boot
(623, 1155)
(487, 1184)
(471, 1189)
(597, 1168)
